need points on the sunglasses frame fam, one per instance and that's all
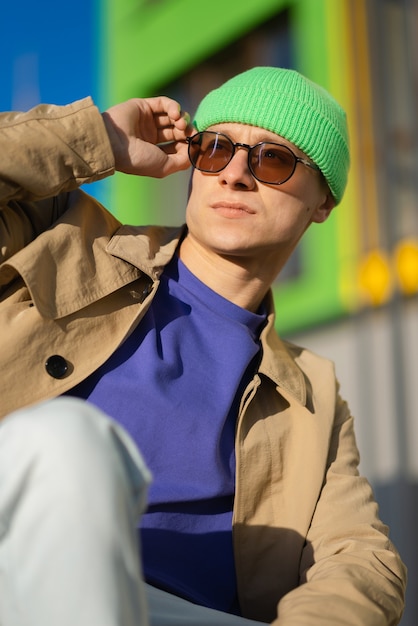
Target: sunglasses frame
(235, 145)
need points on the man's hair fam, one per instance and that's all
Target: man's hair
(290, 105)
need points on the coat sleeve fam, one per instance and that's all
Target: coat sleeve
(350, 572)
(44, 155)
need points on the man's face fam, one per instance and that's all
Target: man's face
(232, 214)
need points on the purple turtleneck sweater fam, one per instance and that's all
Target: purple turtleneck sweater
(175, 385)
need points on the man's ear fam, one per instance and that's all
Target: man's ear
(322, 212)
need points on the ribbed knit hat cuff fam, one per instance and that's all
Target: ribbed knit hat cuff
(286, 103)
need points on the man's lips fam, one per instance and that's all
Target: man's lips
(232, 207)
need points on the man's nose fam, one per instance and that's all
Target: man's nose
(237, 172)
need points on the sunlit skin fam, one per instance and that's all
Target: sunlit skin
(241, 232)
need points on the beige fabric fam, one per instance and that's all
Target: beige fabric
(306, 527)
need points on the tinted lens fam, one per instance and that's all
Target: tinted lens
(210, 152)
(271, 163)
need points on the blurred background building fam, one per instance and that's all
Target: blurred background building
(350, 291)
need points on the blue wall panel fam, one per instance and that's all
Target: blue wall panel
(48, 52)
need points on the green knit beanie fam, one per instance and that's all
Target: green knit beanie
(288, 104)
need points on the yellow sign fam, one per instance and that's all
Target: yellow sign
(375, 277)
(406, 263)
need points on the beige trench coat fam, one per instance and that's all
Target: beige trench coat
(310, 549)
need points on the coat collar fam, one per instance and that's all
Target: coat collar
(85, 257)
(279, 357)
(147, 248)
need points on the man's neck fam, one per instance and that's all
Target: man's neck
(242, 280)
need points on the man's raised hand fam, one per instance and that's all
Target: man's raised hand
(148, 135)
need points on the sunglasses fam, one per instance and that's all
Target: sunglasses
(268, 162)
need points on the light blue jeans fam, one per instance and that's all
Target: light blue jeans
(72, 489)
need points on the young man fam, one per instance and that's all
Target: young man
(118, 339)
